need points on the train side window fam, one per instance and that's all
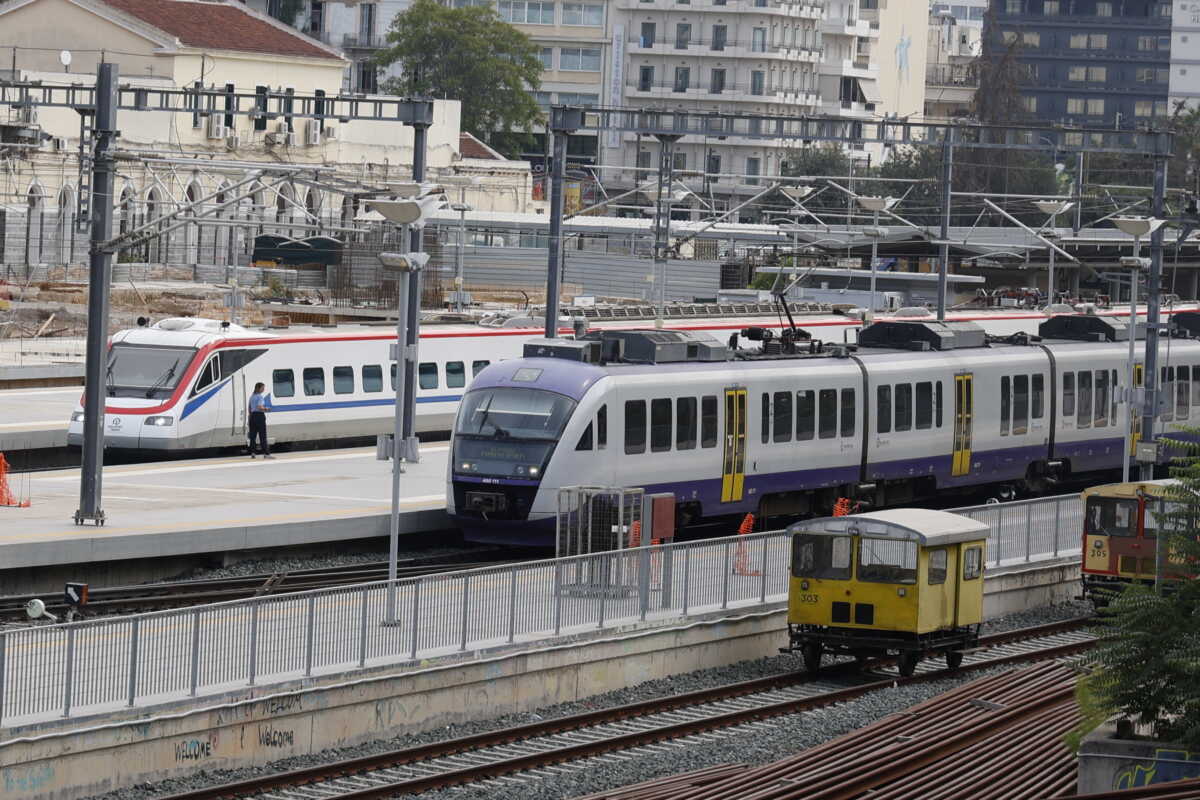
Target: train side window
(1083, 400)
(924, 406)
(635, 427)
(393, 376)
(708, 421)
(1100, 419)
(1068, 397)
(783, 417)
(456, 375)
(1020, 421)
(937, 405)
(585, 439)
(343, 380)
(314, 381)
(827, 412)
(1183, 385)
(427, 377)
(660, 425)
(208, 375)
(904, 407)
(883, 409)
(972, 563)
(1167, 390)
(1195, 386)
(233, 360)
(685, 423)
(766, 417)
(1038, 396)
(477, 367)
(1112, 397)
(937, 566)
(1005, 404)
(372, 378)
(806, 415)
(602, 427)
(848, 412)
(283, 383)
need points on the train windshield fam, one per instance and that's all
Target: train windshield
(887, 560)
(1111, 516)
(818, 556)
(141, 371)
(510, 433)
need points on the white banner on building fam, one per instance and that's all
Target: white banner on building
(617, 74)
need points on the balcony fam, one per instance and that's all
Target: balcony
(850, 27)
(1082, 22)
(806, 9)
(321, 36)
(850, 68)
(730, 92)
(951, 75)
(848, 109)
(363, 41)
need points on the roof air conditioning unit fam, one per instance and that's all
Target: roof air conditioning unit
(215, 129)
(233, 141)
(312, 133)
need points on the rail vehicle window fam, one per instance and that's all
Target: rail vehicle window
(827, 412)
(233, 360)
(602, 427)
(783, 417)
(937, 566)
(1083, 404)
(1020, 423)
(456, 375)
(477, 367)
(1100, 418)
(1167, 391)
(1195, 386)
(708, 421)
(660, 425)
(904, 406)
(924, 405)
(208, 375)
(343, 380)
(883, 409)
(283, 383)
(1037, 396)
(848, 412)
(314, 381)
(887, 560)
(1112, 397)
(635, 427)
(937, 405)
(825, 557)
(372, 378)
(685, 423)
(585, 439)
(766, 417)
(806, 415)
(1110, 516)
(1005, 404)
(972, 563)
(1183, 385)
(1068, 399)
(393, 381)
(427, 376)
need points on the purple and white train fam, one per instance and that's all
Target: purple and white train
(917, 408)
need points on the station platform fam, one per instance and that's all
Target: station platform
(35, 419)
(218, 505)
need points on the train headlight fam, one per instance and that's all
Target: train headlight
(465, 466)
(804, 586)
(77, 416)
(160, 422)
(533, 472)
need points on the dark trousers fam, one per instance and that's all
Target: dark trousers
(258, 429)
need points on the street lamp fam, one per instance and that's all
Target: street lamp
(462, 208)
(874, 204)
(674, 196)
(1053, 208)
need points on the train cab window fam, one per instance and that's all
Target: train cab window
(427, 377)
(766, 417)
(937, 405)
(314, 381)
(924, 406)
(1110, 516)
(283, 383)
(887, 560)
(806, 415)
(1100, 406)
(208, 375)
(660, 425)
(234, 360)
(1195, 386)
(1038, 397)
(1183, 385)
(1005, 404)
(635, 427)
(883, 409)
(685, 423)
(708, 421)
(937, 566)
(825, 557)
(1020, 422)
(1068, 398)
(585, 439)
(848, 412)
(827, 412)
(477, 367)
(343, 380)
(783, 417)
(372, 378)
(456, 375)
(602, 427)
(1083, 399)
(972, 563)
(904, 406)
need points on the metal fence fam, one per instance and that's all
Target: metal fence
(105, 664)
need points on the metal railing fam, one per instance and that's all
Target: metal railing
(109, 663)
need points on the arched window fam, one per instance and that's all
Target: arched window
(35, 227)
(157, 246)
(192, 230)
(65, 226)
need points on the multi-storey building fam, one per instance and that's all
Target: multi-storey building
(951, 77)
(1184, 83)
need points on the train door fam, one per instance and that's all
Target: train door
(938, 595)
(1135, 411)
(733, 477)
(238, 419)
(964, 398)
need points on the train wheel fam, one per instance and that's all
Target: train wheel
(954, 659)
(812, 656)
(860, 662)
(908, 663)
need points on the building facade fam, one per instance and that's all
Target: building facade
(951, 78)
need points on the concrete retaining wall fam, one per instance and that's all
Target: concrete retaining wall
(1107, 763)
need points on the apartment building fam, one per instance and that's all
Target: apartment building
(950, 76)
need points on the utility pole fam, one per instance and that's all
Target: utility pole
(562, 122)
(104, 128)
(1153, 304)
(413, 327)
(944, 255)
(662, 217)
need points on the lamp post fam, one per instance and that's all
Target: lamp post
(462, 207)
(874, 204)
(1053, 208)
(662, 217)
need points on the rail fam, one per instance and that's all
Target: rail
(105, 664)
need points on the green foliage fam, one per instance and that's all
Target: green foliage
(467, 54)
(286, 10)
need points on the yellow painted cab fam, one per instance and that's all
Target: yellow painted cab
(904, 582)
(1120, 535)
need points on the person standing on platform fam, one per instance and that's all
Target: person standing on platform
(260, 404)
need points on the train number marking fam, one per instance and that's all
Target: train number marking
(805, 597)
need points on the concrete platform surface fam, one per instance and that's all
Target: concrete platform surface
(32, 419)
(219, 505)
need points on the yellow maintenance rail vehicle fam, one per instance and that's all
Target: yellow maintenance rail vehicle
(905, 582)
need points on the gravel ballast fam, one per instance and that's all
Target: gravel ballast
(789, 734)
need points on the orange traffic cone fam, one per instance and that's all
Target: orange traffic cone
(741, 560)
(635, 534)
(7, 498)
(842, 507)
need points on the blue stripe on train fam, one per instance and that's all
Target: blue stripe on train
(200, 400)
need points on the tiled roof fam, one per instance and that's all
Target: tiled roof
(470, 147)
(219, 25)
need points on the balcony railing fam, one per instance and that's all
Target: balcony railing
(363, 41)
(716, 45)
(951, 75)
(728, 88)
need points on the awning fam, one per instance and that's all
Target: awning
(870, 90)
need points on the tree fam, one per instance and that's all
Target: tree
(467, 54)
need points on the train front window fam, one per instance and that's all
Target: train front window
(1110, 516)
(141, 371)
(817, 556)
(887, 560)
(511, 433)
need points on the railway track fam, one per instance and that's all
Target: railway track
(176, 594)
(505, 758)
